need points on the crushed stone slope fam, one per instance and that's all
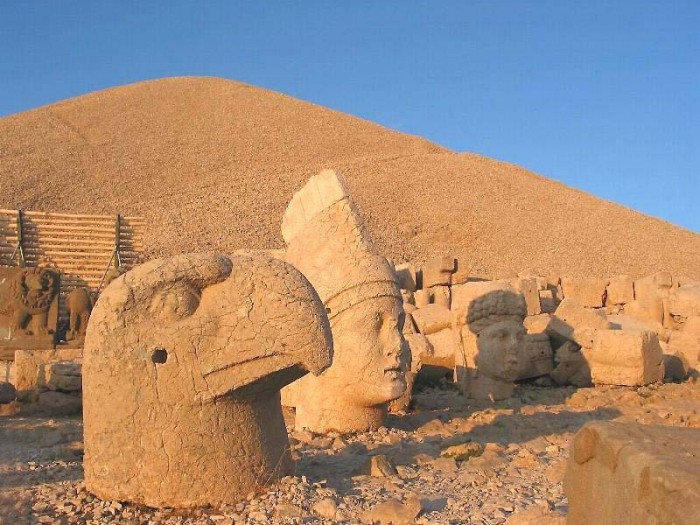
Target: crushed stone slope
(212, 163)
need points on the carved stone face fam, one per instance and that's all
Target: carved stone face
(499, 349)
(368, 345)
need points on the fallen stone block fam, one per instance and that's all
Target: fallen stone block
(532, 274)
(684, 344)
(461, 273)
(438, 271)
(682, 303)
(63, 377)
(406, 276)
(8, 393)
(421, 298)
(444, 344)
(442, 296)
(432, 318)
(621, 357)
(590, 292)
(632, 474)
(620, 290)
(537, 324)
(537, 357)
(409, 325)
(31, 365)
(573, 322)
(571, 367)
(528, 288)
(60, 404)
(649, 294)
(548, 303)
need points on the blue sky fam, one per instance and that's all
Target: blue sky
(600, 95)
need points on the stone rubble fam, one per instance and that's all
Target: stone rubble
(463, 461)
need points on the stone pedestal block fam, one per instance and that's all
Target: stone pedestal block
(631, 474)
(621, 357)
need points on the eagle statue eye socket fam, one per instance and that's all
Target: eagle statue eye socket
(159, 356)
(175, 302)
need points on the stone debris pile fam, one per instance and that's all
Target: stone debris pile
(189, 360)
(587, 331)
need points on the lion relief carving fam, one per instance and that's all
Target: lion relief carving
(26, 296)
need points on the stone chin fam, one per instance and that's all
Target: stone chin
(395, 385)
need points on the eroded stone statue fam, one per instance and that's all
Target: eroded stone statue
(492, 345)
(79, 306)
(184, 359)
(29, 302)
(327, 241)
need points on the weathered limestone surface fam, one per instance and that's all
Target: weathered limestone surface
(442, 296)
(432, 318)
(682, 303)
(631, 474)
(421, 298)
(537, 358)
(464, 294)
(79, 306)
(492, 346)
(548, 302)
(588, 292)
(649, 295)
(438, 271)
(530, 291)
(406, 275)
(28, 307)
(64, 377)
(571, 367)
(445, 346)
(620, 290)
(621, 357)
(327, 241)
(573, 322)
(537, 324)
(684, 345)
(31, 366)
(184, 359)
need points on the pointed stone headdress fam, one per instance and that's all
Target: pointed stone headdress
(327, 241)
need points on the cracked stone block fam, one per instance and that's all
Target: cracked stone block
(632, 474)
(620, 290)
(189, 354)
(622, 357)
(589, 292)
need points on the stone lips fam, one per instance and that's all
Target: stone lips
(211, 164)
(184, 359)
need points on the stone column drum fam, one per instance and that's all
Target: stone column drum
(184, 360)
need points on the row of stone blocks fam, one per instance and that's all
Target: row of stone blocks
(582, 342)
(44, 381)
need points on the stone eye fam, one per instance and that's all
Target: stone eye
(159, 356)
(174, 303)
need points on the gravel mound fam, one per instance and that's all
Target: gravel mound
(212, 163)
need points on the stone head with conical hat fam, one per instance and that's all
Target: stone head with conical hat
(327, 241)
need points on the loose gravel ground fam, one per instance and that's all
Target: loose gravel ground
(511, 457)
